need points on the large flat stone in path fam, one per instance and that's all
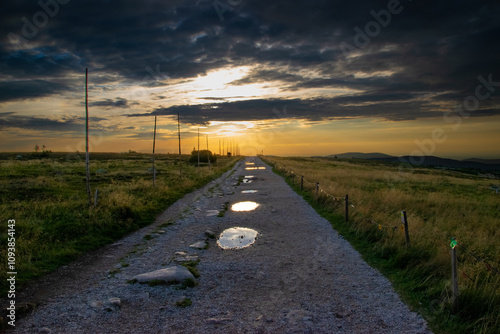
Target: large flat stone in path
(170, 275)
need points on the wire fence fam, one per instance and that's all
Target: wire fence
(358, 214)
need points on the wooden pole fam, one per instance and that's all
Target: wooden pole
(154, 142)
(179, 134)
(454, 276)
(317, 190)
(405, 223)
(87, 170)
(208, 155)
(302, 182)
(346, 208)
(198, 146)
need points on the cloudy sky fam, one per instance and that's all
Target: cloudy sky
(285, 77)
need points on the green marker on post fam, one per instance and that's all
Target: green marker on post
(453, 243)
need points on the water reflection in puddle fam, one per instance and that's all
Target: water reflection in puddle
(246, 181)
(249, 163)
(254, 168)
(248, 191)
(249, 176)
(244, 206)
(237, 237)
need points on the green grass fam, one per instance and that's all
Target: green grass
(184, 302)
(224, 209)
(440, 204)
(46, 196)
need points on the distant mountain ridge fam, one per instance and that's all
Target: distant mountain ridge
(359, 155)
(481, 164)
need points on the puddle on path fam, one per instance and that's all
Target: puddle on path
(248, 191)
(236, 237)
(249, 163)
(254, 168)
(244, 206)
(249, 176)
(247, 181)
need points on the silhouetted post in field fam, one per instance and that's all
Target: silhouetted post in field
(454, 279)
(179, 134)
(154, 140)
(405, 223)
(302, 182)
(198, 146)
(317, 190)
(87, 137)
(346, 208)
(208, 156)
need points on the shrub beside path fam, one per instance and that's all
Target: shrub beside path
(299, 276)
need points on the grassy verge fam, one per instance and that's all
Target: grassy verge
(47, 198)
(440, 204)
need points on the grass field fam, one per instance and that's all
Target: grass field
(440, 204)
(46, 196)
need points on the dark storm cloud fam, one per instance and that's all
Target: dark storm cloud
(109, 103)
(9, 120)
(431, 47)
(311, 110)
(25, 89)
(39, 123)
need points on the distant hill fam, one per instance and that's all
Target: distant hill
(442, 162)
(359, 155)
(485, 161)
(479, 164)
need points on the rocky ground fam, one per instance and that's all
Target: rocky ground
(299, 276)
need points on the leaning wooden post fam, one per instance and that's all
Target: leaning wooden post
(346, 208)
(405, 223)
(454, 279)
(154, 141)
(87, 137)
(317, 190)
(302, 182)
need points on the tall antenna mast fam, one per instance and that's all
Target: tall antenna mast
(179, 134)
(154, 140)
(87, 136)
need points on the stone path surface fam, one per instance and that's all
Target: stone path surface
(299, 276)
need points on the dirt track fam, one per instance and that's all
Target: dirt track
(299, 276)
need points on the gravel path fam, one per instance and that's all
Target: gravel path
(299, 276)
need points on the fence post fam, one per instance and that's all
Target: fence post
(302, 182)
(317, 190)
(405, 223)
(346, 208)
(454, 280)
(96, 197)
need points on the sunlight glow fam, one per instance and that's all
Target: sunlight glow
(244, 206)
